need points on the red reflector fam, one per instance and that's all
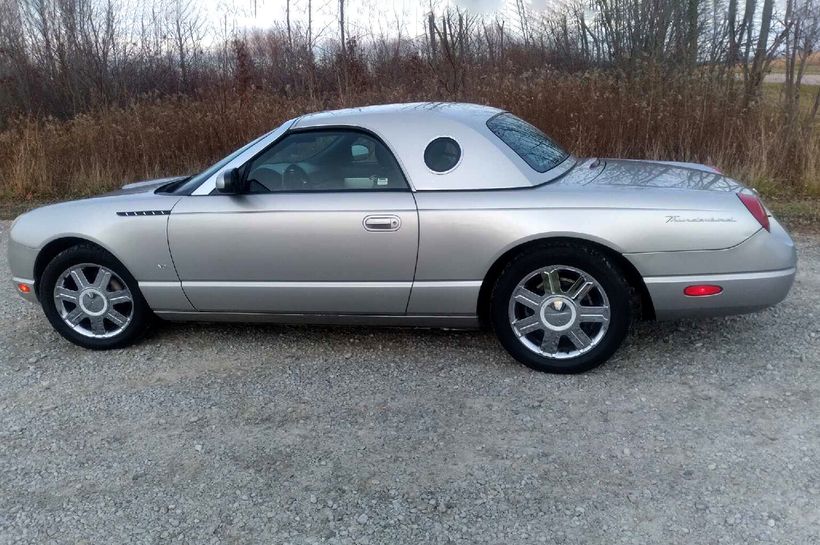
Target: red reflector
(24, 288)
(701, 291)
(754, 205)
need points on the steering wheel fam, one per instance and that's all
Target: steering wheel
(295, 177)
(265, 179)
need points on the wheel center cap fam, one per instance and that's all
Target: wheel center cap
(558, 313)
(93, 302)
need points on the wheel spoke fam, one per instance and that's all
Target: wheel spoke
(527, 325)
(579, 338)
(119, 296)
(593, 314)
(103, 279)
(97, 325)
(116, 318)
(580, 288)
(549, 344)
(527, 298)
(75, 316)
(79, 278)
(552, 282)
(66, 294)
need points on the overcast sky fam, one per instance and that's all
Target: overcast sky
(363, 16)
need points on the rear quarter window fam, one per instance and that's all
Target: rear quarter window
(442, 154)
(529, 143)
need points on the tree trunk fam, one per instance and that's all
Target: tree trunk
(755, 79)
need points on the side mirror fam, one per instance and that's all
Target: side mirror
(228, 182)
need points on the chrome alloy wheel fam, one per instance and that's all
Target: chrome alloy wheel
(559, 312)
(93, 301)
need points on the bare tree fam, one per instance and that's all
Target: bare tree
(802, 21)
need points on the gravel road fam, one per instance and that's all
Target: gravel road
(695, 433)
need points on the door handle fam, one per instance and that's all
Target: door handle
(382, 223)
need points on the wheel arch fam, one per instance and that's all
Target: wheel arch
(54, 247)
(642, 298)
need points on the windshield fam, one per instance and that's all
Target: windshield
(195, 181)
(529, 143)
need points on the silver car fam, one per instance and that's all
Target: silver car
(429, 214)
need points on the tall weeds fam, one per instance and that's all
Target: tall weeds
(593, 114)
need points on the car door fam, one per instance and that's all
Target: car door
(328, 225)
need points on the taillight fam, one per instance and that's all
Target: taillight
(753, 204)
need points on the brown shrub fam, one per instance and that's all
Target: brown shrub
(592, 114)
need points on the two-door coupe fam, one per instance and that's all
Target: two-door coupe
(429, 214)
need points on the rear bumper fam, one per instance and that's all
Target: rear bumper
(768, 260)
(745, 292)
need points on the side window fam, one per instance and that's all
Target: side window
(325, 160)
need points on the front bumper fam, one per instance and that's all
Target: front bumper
(29, 295)
(745, 292)
(21, 261)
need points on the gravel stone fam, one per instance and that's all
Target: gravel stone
(408, 436)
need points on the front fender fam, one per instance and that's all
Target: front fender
(139, 242)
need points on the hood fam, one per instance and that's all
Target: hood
(145, 186)
(632, 174)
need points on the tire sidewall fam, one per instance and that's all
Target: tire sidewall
(591, 262)
(89, 254)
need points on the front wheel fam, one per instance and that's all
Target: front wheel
(92, 300)
(561, 309)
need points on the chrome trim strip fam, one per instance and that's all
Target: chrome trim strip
(719, 277)
(448, 283)
(165, 295)
(439, 297)
(296, 285)
(458, 322)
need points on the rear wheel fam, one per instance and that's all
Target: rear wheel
(92, 300)
(561, 308)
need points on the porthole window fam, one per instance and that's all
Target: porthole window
(442, 154)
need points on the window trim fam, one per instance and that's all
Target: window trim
(207, 188)
(328, 128)
(449, 170)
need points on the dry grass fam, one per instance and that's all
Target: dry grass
(591, 114)
(812, 64)
(51, 159)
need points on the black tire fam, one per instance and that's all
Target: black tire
(141, 319)
(587, 259)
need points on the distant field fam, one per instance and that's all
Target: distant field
(809, 78)
(812, 65)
